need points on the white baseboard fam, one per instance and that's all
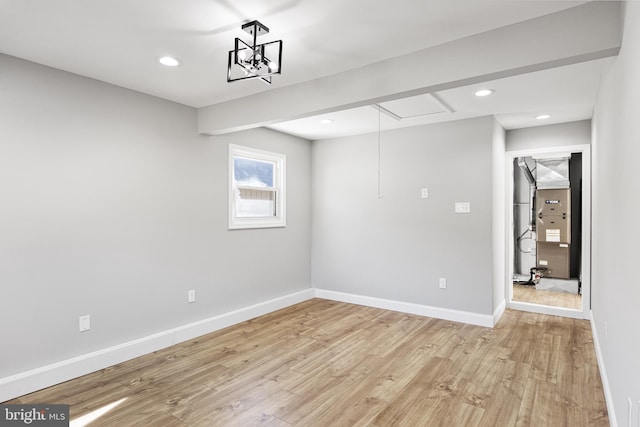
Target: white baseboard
(608, 397)
(546, 309)
(411, 308)
(36, 379)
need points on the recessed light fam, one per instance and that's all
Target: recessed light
(326, 121)
(169, 61)
(543, 116)
(484, 92)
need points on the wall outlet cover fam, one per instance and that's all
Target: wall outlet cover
(84, 323)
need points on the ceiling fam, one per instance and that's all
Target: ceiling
(119, 42)
(566, 94)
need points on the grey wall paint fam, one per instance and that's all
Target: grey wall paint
(616, 186)
(499, 215)
(113, 206)
(557, 135)
(398, 246)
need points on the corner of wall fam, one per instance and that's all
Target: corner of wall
(498, 218)
(608, 396)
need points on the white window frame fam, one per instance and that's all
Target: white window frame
(279, 180)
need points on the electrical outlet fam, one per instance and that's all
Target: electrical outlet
(84, 323)
(191, 296)
(425, 193)
(443, 283)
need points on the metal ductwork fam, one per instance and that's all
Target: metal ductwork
(522, 163)
(553, 173)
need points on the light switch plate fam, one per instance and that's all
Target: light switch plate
(84, 323)
(425, 193)
(463, 207)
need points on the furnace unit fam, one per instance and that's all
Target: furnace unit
(553, 224)
(553, 218)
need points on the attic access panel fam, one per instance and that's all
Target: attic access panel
(414, 106)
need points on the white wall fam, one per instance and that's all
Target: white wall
(556, 135)
(616, 186)
(397, 247)
(114, 206)
(498, 217)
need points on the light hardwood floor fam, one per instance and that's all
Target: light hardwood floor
(325, 363)
(525, 293)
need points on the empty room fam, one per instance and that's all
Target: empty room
(312, 213)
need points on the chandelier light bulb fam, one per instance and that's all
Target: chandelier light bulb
(242, 55)
(273, 65)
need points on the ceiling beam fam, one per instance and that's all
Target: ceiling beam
(583, 33)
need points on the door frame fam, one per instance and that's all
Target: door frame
(585, 257)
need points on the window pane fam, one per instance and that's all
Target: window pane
(257, 188)
(255, 203)
(254, 173)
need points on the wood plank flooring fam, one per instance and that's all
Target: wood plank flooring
(525, 293)
(325, 363)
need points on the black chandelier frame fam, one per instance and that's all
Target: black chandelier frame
(253, 58)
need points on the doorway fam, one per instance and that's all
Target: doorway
(566, 289)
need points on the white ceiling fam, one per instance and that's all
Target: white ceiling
(566, 93)
(119, 41)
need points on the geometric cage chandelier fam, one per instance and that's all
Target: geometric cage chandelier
(250, 61)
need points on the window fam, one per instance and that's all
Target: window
(256, 188)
